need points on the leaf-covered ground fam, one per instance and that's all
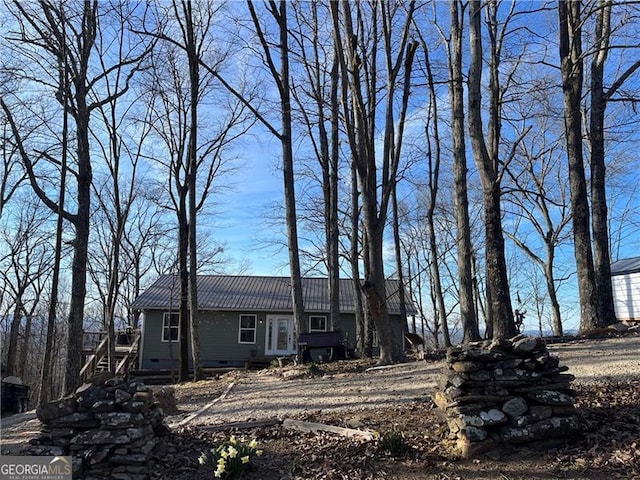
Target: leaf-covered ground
(607, 448)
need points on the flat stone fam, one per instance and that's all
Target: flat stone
(493, 417)
(480, 376)
(536, 414)
(551, 397)
(89, 394)
(135, 406)
(555, 426)
(474, 434)
(100, 455)
(472, 421)
(525, 345)
(63, 432)
(515, 407)
(453, 392)
(542, 357)
(129, 459)
(103, 406)
(120, 419)
(122, 396)
(465, 367)
(457, 381)
(482, 399)
(75, 420)
(114, 382)
(58, 408)
(44, 450)
(143, 396)
(116, 437)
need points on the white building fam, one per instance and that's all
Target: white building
(625, 277)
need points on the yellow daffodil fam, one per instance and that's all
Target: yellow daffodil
(224, 454)
(232, 452)
(253, 443)
(233, 440)
(259, 453)
(245, 459)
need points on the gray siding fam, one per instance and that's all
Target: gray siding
(219, 339)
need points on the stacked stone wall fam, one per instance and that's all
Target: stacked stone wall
(110, 430)
(505, 392)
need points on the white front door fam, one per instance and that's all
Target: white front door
(280, 336)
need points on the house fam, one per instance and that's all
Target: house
(244, 317)
(625, 280)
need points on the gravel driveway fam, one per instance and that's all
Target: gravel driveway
(261, 396)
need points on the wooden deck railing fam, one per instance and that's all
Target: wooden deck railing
(94, 359)
(130, 357)
(128, 354)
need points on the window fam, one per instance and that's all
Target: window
(317, 324)
(247, 329)
(170, 327)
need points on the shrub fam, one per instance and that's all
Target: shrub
(231, 458)
(394, 443)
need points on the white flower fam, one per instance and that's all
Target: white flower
(232, 452)
(233, 440)
(245, 459)
(253, 443)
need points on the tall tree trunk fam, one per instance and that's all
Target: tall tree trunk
(599, 213)
(192, 175)
(398, 256)
(551, 290)
(282, 80)
(333, 234)
(572, 77)
(354, 258)
(487, 162)
(433, 171)
(468, 316)
(288, 174)
(75, 330)
(26, 340)
(52, 314)
(11, 367)
(183, 273)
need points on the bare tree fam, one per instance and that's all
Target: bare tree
(572, 69)
(467, 308)
(316, 96)
(538, 193)
(196, 153)
(63, 36)
(279, 70)
(358, 55)
(12, 175)
(487, 156)
(600, 96)
(26, 264)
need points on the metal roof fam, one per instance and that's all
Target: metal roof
(624, 266)
(243, 293)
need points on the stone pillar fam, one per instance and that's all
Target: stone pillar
(505, 392)
(110, 429)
